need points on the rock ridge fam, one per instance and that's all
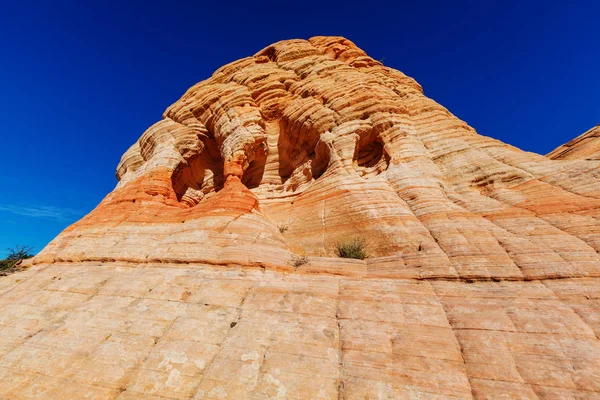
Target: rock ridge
(584, 147)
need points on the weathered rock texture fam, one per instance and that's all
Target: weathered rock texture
(127, 331)
(583, 147)
(481, 281)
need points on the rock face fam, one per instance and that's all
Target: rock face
(481, 281)
(317, 137)
(583, 147)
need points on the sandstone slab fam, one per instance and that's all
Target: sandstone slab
(80, 331)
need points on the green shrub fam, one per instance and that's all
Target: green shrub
(354, 248)
(6, 264)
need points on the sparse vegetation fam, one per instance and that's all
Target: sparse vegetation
(298, 261)
(354, 248)
(282, 228)
(15, 254)
(5, 264)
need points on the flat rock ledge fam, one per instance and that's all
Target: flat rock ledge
(175, 331)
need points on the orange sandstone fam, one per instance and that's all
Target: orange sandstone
(481, 280)
(332, 144)
(584, 147)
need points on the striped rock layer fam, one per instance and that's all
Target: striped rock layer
(210, 271)
(312, 142)
(584, 147)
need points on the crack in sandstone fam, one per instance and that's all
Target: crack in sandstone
(457, 341)
(340, 353)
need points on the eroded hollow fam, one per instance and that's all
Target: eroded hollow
(287, 165)
(371, 159)
(253, 175)
(199, 176)
(301, 156)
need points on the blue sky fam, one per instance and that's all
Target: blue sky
(80, 83)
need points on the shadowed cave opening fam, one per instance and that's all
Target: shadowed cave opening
(371, 159)
(253, 175)
(296, 160)
(200, 175)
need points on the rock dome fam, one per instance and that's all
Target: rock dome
(481, 279)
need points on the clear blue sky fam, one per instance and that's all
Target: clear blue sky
(80, 83)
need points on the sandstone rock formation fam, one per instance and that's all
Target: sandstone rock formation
(583, 147)
(481, 281)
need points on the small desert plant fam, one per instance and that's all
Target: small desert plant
(354, 248)
(5, 264)
(16, 254)
(298, 261)
(282, 228)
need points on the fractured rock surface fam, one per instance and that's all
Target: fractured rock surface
(481, 281)
(126, 331)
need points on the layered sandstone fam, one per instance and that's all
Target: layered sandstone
(320, 138)
(481, 281)
(583, 147)
(164, 331)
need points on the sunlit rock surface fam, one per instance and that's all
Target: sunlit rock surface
(481, 281)
(583, 147)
